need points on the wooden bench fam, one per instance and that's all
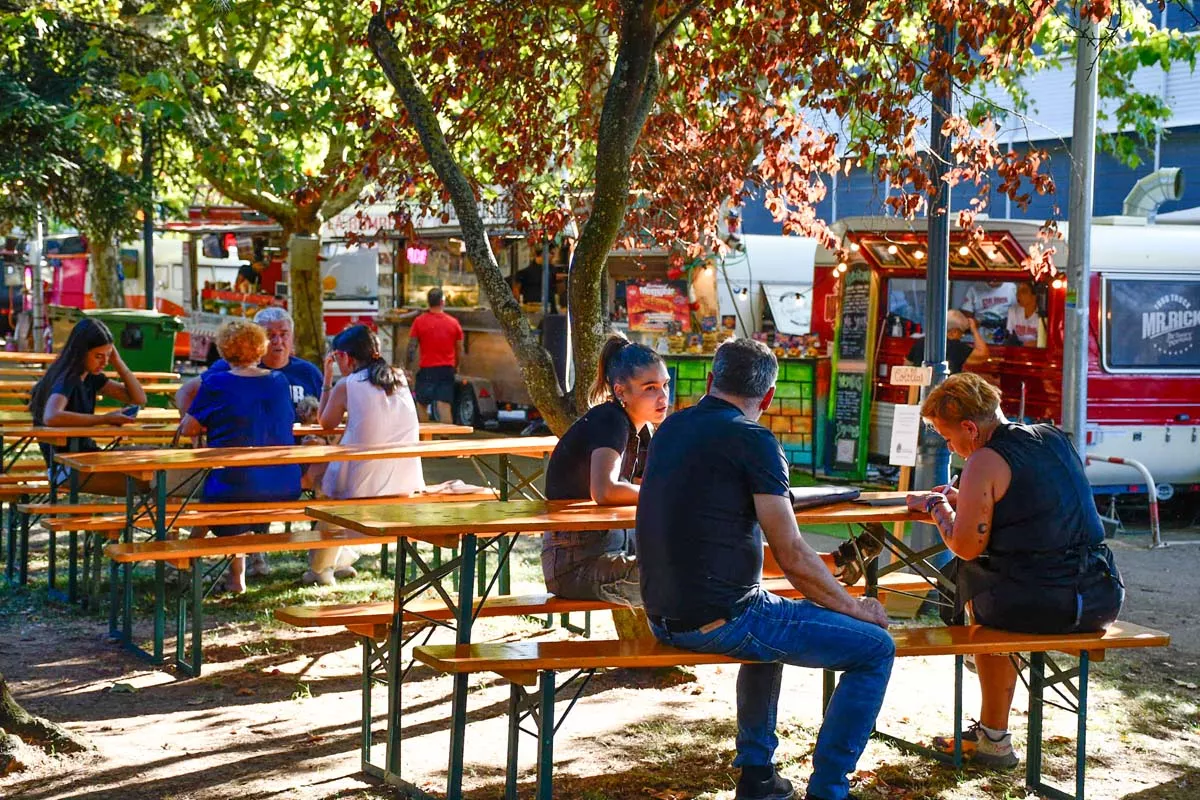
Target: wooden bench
(537, 663)
(182, 553)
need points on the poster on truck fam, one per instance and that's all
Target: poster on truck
(655, 305)
(1152, 325)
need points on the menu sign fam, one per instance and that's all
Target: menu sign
(848, 432)
(1152, 325)
(856, 314)
(656, 306)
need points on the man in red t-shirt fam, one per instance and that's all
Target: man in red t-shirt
(440, 340)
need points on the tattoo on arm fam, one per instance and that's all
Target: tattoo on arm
(943, 518)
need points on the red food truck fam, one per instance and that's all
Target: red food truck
(1144, 343)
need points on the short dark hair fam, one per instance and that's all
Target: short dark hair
(436, 298)
(744, 368)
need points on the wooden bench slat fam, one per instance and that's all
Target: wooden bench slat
(596, 654)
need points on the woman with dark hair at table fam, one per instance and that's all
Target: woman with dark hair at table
(378, 407)
(245, 406)
(1029, 543)
(600, 458)
(66, 396)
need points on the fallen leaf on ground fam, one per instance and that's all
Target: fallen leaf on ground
(245, 691)
(123, 688)
(667, 794)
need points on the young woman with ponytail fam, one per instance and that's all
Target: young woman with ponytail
(378, 408)
(600, 458)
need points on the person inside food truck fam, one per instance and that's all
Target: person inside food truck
(988, 303)
(958, 352)
(1025, 325)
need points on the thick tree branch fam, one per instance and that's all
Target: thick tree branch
(279, 210)
(536, 364)
(627, 102)
(337, 202)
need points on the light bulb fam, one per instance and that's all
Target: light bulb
(964, 250)
(918, 254)
(892, 249)
(1057, 283)
(854, 246)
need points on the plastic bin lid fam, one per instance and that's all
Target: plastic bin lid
(166, 322)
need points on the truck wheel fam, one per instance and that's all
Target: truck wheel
(466, 410)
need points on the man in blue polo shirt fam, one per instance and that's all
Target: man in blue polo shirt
(305, 379)
(715, 482)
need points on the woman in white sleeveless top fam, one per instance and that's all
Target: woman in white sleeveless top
(379, 409)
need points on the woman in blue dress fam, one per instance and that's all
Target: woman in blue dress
(246, 406)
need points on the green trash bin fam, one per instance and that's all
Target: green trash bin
(145, 340)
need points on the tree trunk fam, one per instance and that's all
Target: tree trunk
(108, 291)
(36, 730)
(307, 306)
(537, 368)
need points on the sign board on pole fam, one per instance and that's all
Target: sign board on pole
(911, 376)
(906, 429)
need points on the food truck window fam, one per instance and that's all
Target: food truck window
(906, 301)
(988, 302)
(1152, 325)
(440, 263)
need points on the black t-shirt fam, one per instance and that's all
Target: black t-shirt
(569, 473)
(81, 398)
(957, 353)
(699, 544)
(529, 280)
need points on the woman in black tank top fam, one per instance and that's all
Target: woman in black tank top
(1029, 543)
(600, 458)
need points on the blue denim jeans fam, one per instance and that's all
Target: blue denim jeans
(777, 631)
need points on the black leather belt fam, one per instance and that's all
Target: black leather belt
(689, 625)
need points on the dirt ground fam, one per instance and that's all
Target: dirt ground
(276, 713)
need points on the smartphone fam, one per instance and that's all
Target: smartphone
(131, 411)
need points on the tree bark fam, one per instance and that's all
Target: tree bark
(307, 306)
(627, 103)
(537, 368)
(107, 290)
(36, 730)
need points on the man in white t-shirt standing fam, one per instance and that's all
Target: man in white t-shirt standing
(988, 302)
(1025, 325)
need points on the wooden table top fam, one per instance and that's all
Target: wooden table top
(18, 388)
(36, 371)
(10, 417)
(435, 522)
(146, 462)
(26, 358)
(159, 430)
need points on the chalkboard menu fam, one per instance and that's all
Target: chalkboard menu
(856, 314)
(849, 435)
(850, 398)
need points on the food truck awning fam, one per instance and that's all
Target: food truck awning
(791, 306)
(776, 259)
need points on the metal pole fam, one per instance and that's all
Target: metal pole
(36, 290)
(148, 221)
(547, 289)
(933, 459)
(1079, 236)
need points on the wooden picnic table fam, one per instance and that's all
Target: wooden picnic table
(498, 525)
(153, 465)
